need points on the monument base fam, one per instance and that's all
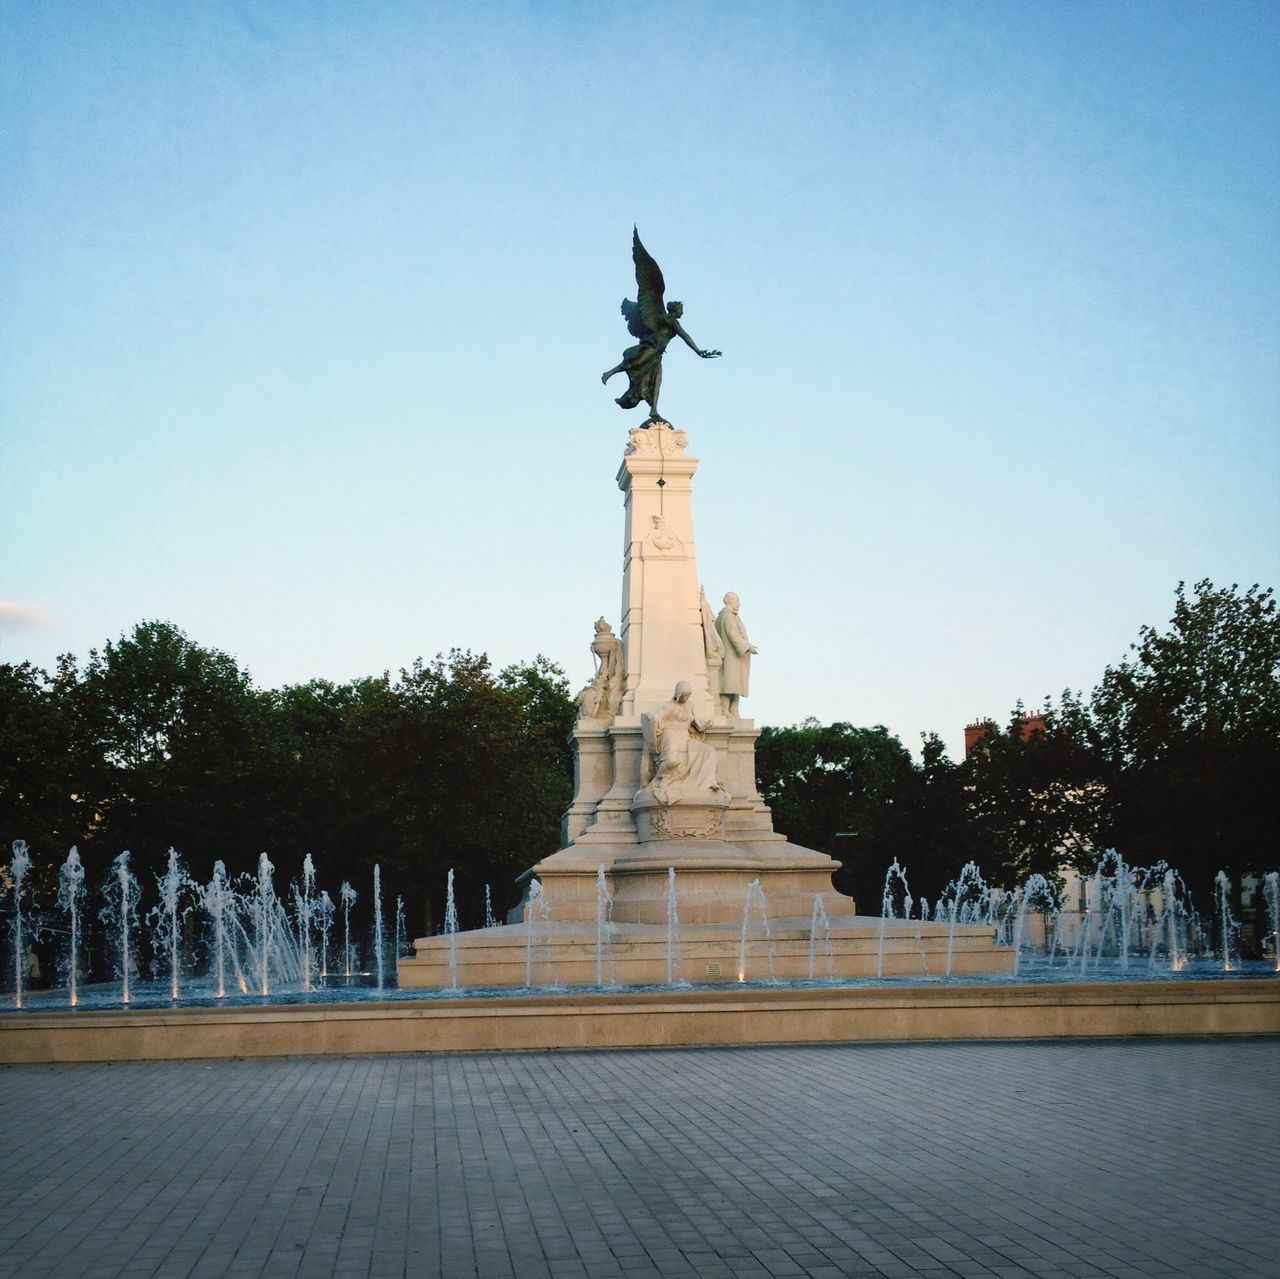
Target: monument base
(578, 953)
(713, 877)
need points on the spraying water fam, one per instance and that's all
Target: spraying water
(754, 918)
(1174, 926)
(70, 898)
(673, 928)
(820, 935)
(324, 911)
(537, 917)
(604, 926)
(1037, 894)
(895, 892)
(961, 902)
(402, 936)
(1271, 891)
(451, 931)
(377, 923)
(264, 918)
(489, 921)
(348, 896)
(304, 908)
(122, 892)
(1227, 923)
(219, 907)
(18, 867)
(921, 920)
(166, 918)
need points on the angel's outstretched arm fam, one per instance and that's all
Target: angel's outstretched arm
(693, 346)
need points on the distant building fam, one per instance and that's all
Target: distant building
(1028, 726)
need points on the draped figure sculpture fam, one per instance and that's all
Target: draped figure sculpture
(685, 765)
(655, 324)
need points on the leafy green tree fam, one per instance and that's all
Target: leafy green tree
(943, 834)
(1188, 732)
(492, 774)
(174, 733)
(448, 767)
(1035, 799)
(42, 766)
(850, 792)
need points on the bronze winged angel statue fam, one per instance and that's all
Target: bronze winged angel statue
(654, 324)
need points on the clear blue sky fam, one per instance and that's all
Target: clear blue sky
(303, 310)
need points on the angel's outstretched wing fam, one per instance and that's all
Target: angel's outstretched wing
(650, 286)
(635, 321)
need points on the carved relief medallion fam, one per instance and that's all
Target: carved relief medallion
(672, 824)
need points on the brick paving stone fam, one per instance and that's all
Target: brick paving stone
(1089, 1160)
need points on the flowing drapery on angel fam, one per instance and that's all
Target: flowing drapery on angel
(654, 324)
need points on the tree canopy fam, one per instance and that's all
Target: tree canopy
(159, 741)
(1186, 732)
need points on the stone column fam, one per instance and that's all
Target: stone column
(661, 614)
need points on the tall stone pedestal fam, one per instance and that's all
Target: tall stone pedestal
(646, 837)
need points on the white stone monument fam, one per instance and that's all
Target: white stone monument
(666, 819)
(637, 809)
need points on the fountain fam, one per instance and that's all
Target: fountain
(401, 934)
(1271, 892)
(264, 920)
(755, 919)
(19, 864)
(304, 909)
(166, 919)
(377, 924)
(673, 928)
(961, 903)
(1037, 894)
(489, 921)
(1228, 927)
(120, 914)
(248, 931)
(819, 933)
(324, 911)
(247, 939)
(70, 898)
(604, 930)
(219, 906)
(1176, 924)
(451, 931)
(348, 897)
(895, 876)
(922, 919)
(537, 914)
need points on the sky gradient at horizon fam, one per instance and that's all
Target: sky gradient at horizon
(304, 314)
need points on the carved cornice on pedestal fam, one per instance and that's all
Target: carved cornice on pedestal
(657, 441)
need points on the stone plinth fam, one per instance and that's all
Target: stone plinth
(712, 877)
(637, 952)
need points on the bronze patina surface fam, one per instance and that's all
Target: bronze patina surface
(654, 323)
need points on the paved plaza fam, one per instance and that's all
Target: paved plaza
(1139, 1157)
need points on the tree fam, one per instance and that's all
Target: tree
(943, 835)
(850, 792)
(1188, 731)
(42, 765)
(174, 733)
(448, 767)
(1034, 798)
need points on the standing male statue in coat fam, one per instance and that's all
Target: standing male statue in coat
(735, 674)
